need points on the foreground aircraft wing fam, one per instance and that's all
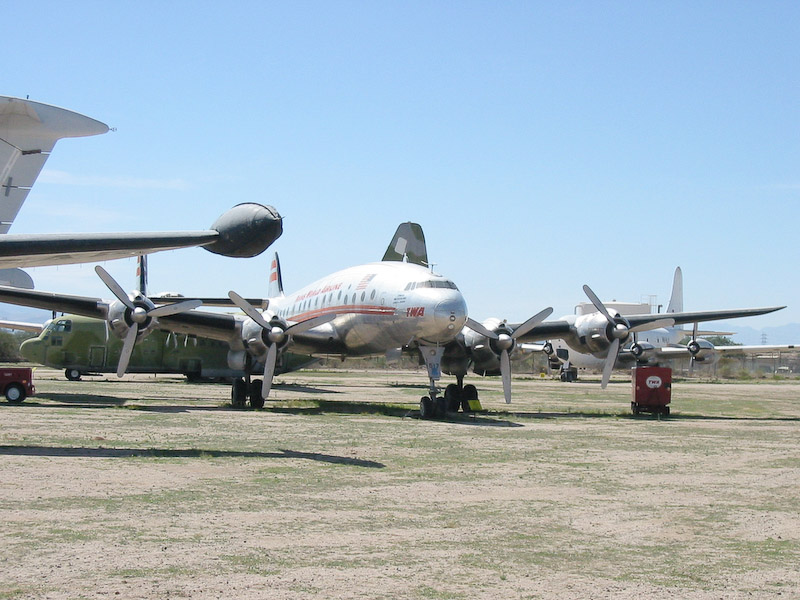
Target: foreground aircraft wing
(246, 230)
(28, 132)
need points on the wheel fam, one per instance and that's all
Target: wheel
(452, 397)
(15, 393)
(665, 411)
(238, 393)
(426, 408)
(635, 408)
(256, 399)
(440, 406)
(470, 392)
(73, 374)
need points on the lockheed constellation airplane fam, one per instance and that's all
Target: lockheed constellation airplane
(371, 309)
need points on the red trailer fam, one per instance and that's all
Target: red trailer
(16, 383)
(652, 390)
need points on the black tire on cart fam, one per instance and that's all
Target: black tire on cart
(15, 393)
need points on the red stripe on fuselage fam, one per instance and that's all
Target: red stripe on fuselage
(344, 310)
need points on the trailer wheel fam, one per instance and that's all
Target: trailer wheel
(15, 393)
(72, 374)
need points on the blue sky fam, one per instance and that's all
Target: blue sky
(540, 145)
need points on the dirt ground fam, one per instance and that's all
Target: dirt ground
(154, 488)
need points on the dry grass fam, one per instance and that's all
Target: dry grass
(151, 487)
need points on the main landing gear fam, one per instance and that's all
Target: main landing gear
(244, 390)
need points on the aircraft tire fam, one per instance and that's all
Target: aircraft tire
(15, 393)
(238, 393)
(73, 374)
(470, 392)
(426, 408)
(256, 399)
(452, 397)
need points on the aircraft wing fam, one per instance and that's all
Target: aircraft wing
(28, 132)
(245, 230)
(562, 328)
(683, 318)
(206, 324)
(20, 326)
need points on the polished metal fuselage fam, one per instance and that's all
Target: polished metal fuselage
(379, 306)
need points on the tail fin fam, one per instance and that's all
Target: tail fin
(408, 245)
(676, 300)
(275, 279)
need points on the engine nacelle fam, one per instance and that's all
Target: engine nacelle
(257, 339)
(121, 318)
(643, 352)
(702, 350)
(594, 333)
(485, 352)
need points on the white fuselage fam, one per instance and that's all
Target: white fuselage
(379, 306)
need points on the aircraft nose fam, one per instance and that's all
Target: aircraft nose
(32, 350)
(451, 313)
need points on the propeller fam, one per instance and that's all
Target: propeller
(505, 342)
(693, 348)
(620, 329)
(138, 316)
(275, 334)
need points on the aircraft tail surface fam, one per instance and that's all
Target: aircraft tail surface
(408, 245)
(676, 300)
(275, 279)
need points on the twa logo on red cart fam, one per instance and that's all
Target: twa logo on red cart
(653, 382)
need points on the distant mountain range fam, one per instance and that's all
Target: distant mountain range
(785, 334)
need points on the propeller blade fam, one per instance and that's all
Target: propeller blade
(115, 288)
(478, 328)
(310, 323)
(597, 304)
(248, 309)
(174, 309)
(653, 325)
(127, 349)
(505, 371)
(532, 322)
(269, 370)
(609, 364)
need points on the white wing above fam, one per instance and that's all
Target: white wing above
(28, 132)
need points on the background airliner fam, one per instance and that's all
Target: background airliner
(650, 347)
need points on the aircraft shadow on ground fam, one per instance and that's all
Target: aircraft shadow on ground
(102, 452)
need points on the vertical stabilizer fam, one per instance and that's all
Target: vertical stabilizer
(676, 300)
(408, 245)
(275, 279)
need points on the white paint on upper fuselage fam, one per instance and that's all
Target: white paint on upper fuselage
(380, 306)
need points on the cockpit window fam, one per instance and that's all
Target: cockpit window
(432, 283)
(63, 325)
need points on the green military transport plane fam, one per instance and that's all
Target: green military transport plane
(82, 345)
